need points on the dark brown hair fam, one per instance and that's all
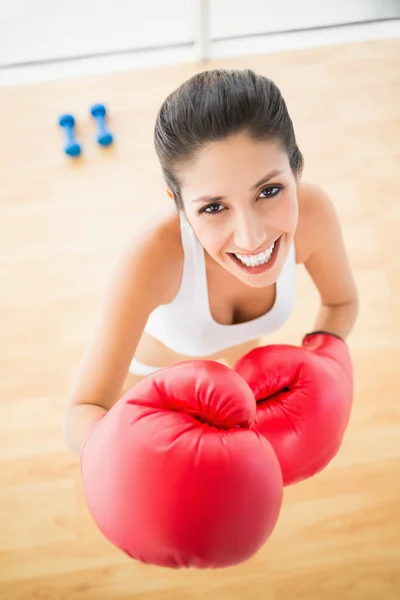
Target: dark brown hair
(214, 105)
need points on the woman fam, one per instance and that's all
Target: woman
(214, 273)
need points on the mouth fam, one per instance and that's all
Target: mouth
(257, 263)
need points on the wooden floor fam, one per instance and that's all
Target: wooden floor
(63, 224)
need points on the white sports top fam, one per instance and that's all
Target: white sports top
(186, 325)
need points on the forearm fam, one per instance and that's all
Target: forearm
(338, 319)
(76, 423)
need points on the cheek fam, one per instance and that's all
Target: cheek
(288, 213)
(212, 233)
(210, 236)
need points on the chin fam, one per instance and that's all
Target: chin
(259, 281)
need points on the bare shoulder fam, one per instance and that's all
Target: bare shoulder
(320, 246)
(154, 252)
(317, 216)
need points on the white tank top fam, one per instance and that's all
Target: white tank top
(186, 325)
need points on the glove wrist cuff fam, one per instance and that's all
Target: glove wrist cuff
(321, 332)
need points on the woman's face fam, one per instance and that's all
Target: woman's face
(240, 197)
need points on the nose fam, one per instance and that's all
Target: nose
(249, 233)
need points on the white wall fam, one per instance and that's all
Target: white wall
(32, 30)
(249, 17)
(40, 30)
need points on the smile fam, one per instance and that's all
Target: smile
(257, 263)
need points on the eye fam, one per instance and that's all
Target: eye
(211, 209)
(271, 191)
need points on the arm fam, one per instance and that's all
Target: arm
(328, 265)
(312, 385)
(143, 278)
(338, 319)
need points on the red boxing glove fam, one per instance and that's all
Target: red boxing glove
(304, 398)
(174, 475)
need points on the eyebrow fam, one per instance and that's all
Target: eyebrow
(264, 179)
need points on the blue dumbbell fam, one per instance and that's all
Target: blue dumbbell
(104, 137)
(71, 147)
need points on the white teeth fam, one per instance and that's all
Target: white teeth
(256, 259)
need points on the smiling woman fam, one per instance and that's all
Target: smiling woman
(213, 275)
(216, 274)
(201, 285)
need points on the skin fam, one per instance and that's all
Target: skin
(236, 216)
(246, 219)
